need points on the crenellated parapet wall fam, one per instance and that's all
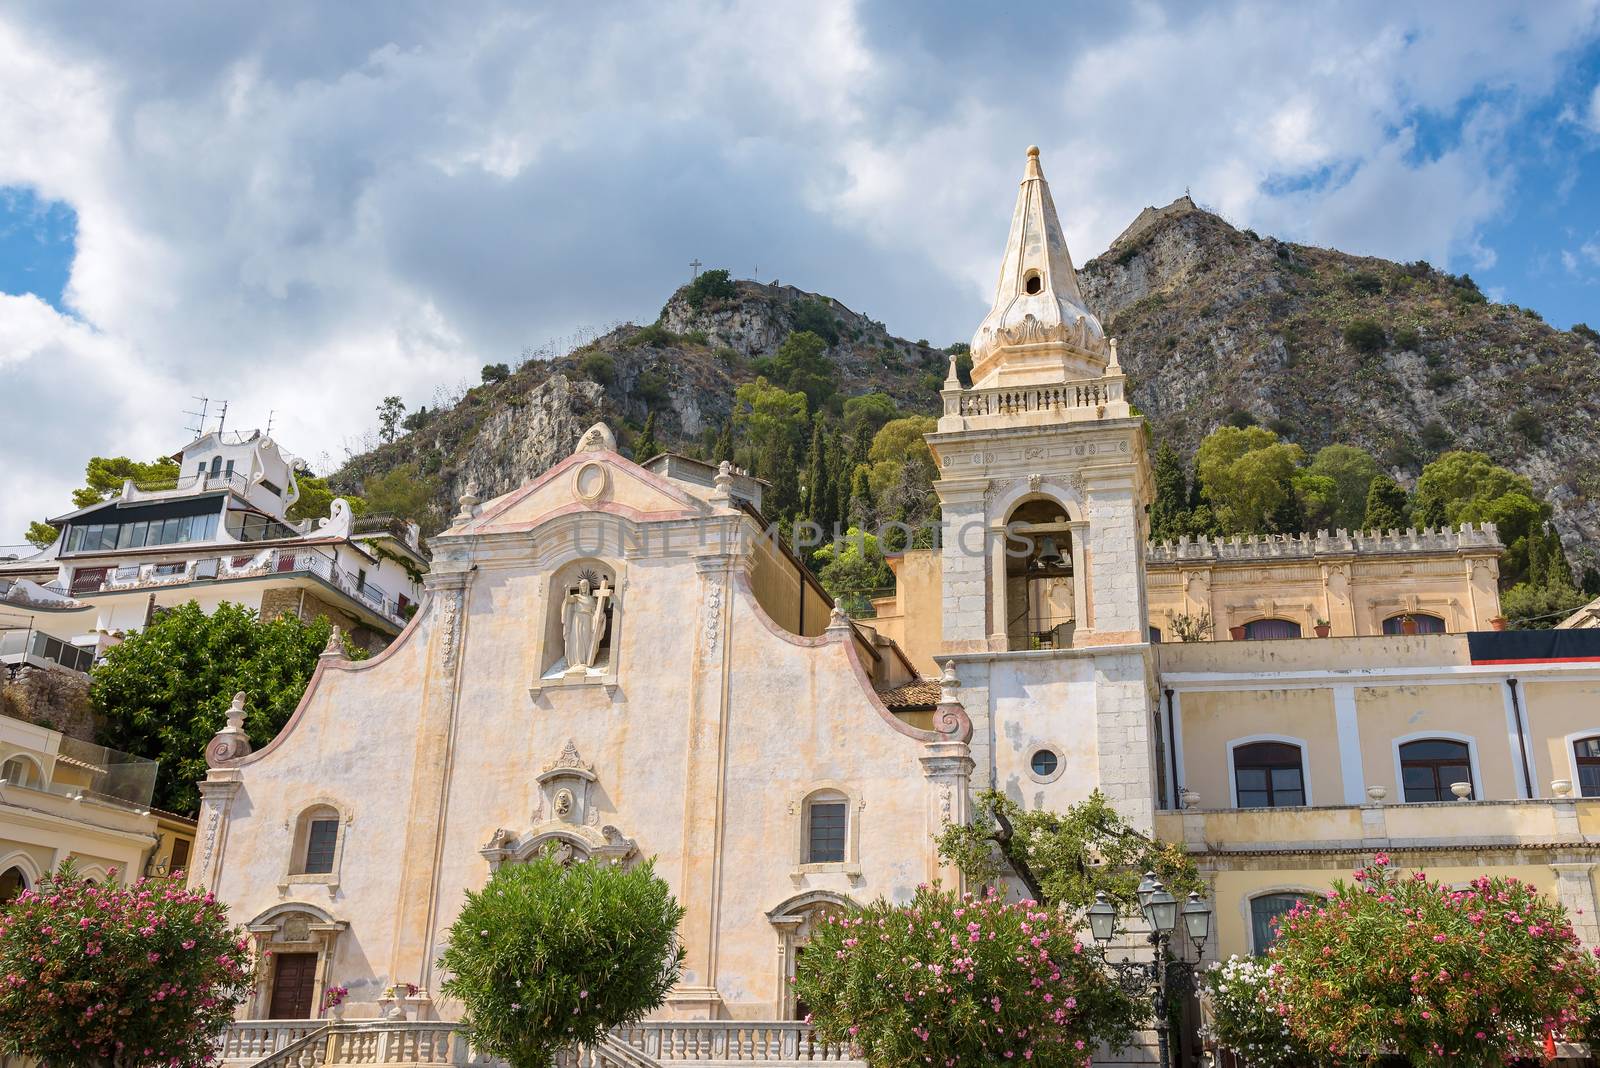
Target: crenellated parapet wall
(1476, 539)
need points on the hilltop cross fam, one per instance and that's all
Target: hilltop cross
(695, 264)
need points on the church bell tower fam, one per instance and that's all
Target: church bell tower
(1044, 484)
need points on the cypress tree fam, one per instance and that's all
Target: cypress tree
(1170, 512)
(645, 446)
(819, 492)
(1386, 505)
(863, 509)
(723, 449)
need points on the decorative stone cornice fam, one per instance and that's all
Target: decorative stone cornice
(1480, 539)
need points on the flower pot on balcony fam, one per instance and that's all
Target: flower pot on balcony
(1498, 623)
(1408, 625)
(1323, 630)
(1236, 633)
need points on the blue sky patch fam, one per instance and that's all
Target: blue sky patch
(37, 241)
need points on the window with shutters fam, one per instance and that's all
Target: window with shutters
(1269, 775)
(1586, 752)
(318, 846)
(1430, 766)
(827, 832)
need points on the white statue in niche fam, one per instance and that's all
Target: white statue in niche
(583, 622)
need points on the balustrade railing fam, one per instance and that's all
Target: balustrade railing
(432, 1044)
(1021, 400)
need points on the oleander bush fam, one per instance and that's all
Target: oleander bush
(546, 955)
(1242, 1008)
(1403, 965)
(116, 976)
(953, 979)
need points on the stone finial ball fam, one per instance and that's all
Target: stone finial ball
(1033, 150)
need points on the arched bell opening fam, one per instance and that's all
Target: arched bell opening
(1041, 594)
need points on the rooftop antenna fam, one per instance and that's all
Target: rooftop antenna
(223, 418)
(199, 418)
(695, 265)
(270, 414)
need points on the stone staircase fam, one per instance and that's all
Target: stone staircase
(439, 1044)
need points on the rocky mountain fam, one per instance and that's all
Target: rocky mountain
(1216, 324)
(684, 368)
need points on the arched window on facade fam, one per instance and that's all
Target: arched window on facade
(316, 841)
(1586, 752)
(1039, 602)
(1267, 629)
(1269, 775)
(1426, 623)
(1265, 912)
(22, 771)
(12, 883)
(1428, 768)
(827, 827)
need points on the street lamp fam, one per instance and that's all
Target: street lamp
(1161, 914)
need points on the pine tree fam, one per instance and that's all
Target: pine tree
(723, 449)
(645, 446)
(1386, 505)
(1170, 513)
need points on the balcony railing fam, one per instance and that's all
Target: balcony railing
(195, 483)
(24, 646)
(1064, 399)
(283, 561)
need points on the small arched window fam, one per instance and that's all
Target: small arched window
(1425, 623)
(1586, 751)
(1266, 912)
(1269, 775)
(12, 883)
(316, 844)
(827, 827)
(21, 771)
(1429, 767)
(1268, 629)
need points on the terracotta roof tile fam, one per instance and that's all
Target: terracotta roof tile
(914, 696)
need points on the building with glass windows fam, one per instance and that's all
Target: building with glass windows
(217, 533)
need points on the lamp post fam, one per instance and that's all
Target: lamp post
(1162, 914)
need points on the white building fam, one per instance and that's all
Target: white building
(217, 533)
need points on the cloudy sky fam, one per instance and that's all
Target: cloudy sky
(301, 208)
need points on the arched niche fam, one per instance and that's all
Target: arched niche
(582, 625)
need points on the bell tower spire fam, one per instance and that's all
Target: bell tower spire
(1039, 330)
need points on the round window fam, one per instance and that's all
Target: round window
(1044, 763)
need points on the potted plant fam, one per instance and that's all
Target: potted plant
(1498, 623)
(1323, 628)
(1236, 632)
(1408, 624)
(333, 1001)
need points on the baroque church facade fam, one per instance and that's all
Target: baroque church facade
(618, 661)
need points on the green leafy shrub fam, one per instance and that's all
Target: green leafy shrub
(546, 956)
(599, 367)
(1364, 282)
(712, 285)
(651, 388)
(1526, 422)
(496, 372)
(1407, 338)
(1403, 965)
(817, 317)
(1584, 330)
(954, 979)
(655, 335)
(118, 976)
(695, 337)
(1364, 335)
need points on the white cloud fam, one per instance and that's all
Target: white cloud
(1594, 109)
(303, 213)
